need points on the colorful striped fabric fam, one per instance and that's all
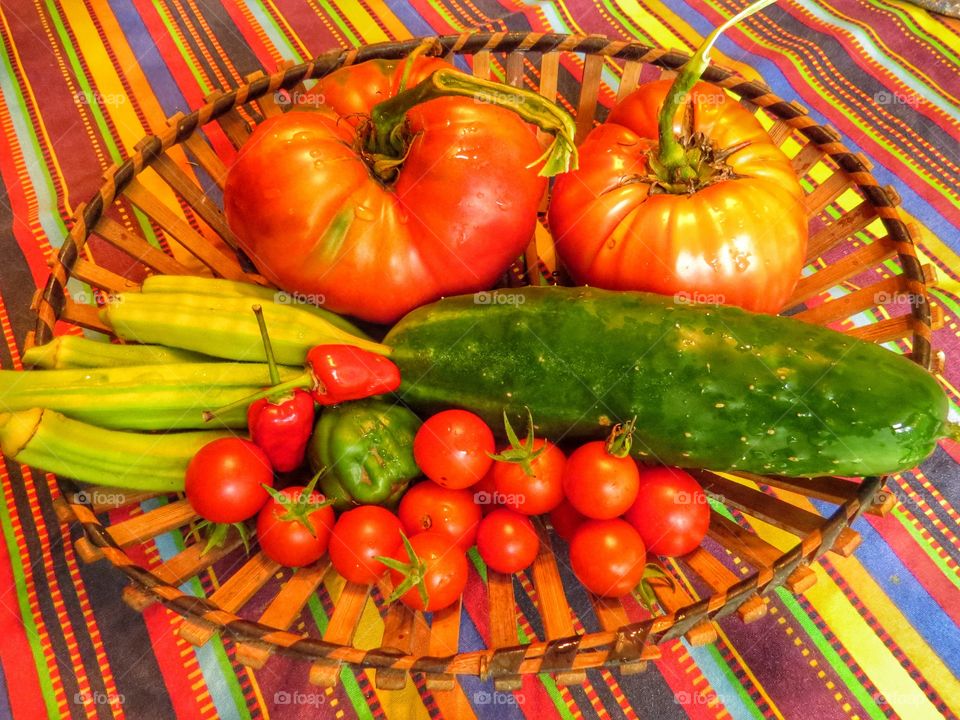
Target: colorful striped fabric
(81, 81)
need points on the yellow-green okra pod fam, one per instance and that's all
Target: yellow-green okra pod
(50, 441)
(141, 397)
(225, 326)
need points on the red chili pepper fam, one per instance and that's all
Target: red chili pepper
(334, 374)
(345, 372)
(282, 428)
(280, 425)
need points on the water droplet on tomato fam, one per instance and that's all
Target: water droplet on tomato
(611, 244)
(318, 164)
(301, 136)
(315, 153)
(363, 212)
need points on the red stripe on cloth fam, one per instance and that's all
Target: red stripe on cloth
(13, 173)
(27, 701)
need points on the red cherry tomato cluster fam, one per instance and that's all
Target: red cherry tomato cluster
(610, 511)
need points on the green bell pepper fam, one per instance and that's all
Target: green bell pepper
(364, 451)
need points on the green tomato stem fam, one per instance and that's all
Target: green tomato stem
(305, 381)
(388, 116)
(672, 155)
(621, 438)
(267, 347)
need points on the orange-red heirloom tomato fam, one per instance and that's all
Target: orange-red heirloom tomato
(732, 231)
(372, 215)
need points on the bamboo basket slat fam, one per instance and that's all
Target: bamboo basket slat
(888, 290)
(284, 609)
(674, 598)
(340, 630)
(411, 644)
(715, 574)
(193, 241)
(138, 248)
(231, 596)
(843, 269)
(98, 277)
(179, 181)
(204, 155)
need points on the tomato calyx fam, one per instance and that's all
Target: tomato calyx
(678, 163)
(644, 590)
(621, 438)
(217, 533)
(520, 452)
(300, 508)
(387, 136)
(414, 572)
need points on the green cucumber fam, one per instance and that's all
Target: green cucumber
(711, 387)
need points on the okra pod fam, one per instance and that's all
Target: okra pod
(49, 441)
(224, 326)
(141, 397)
(198, 285)
(75, 351)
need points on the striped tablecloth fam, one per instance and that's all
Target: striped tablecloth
(82, 80)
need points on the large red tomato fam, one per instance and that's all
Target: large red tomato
(736, 234)
(375, 229)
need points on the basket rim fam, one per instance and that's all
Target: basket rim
(627, 643)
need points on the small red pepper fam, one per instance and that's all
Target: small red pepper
(345, 372)
(334, 374)
(280, 426)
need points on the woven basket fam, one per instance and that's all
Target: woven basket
(260, 604)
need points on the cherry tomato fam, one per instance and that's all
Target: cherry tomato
(428, 506)
(598, 484)
(485, 493)
(453, 448)
(444, 571)
(359, 537)
(565, 519)
(608, 557)
(287, 540)
(671, 511)
(223, 480)
(507, 541)
(536, 494)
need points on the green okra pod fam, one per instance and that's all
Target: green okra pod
(75, 351)
(225, 326)
(141, 397)
(49, 441)
(198, 285)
